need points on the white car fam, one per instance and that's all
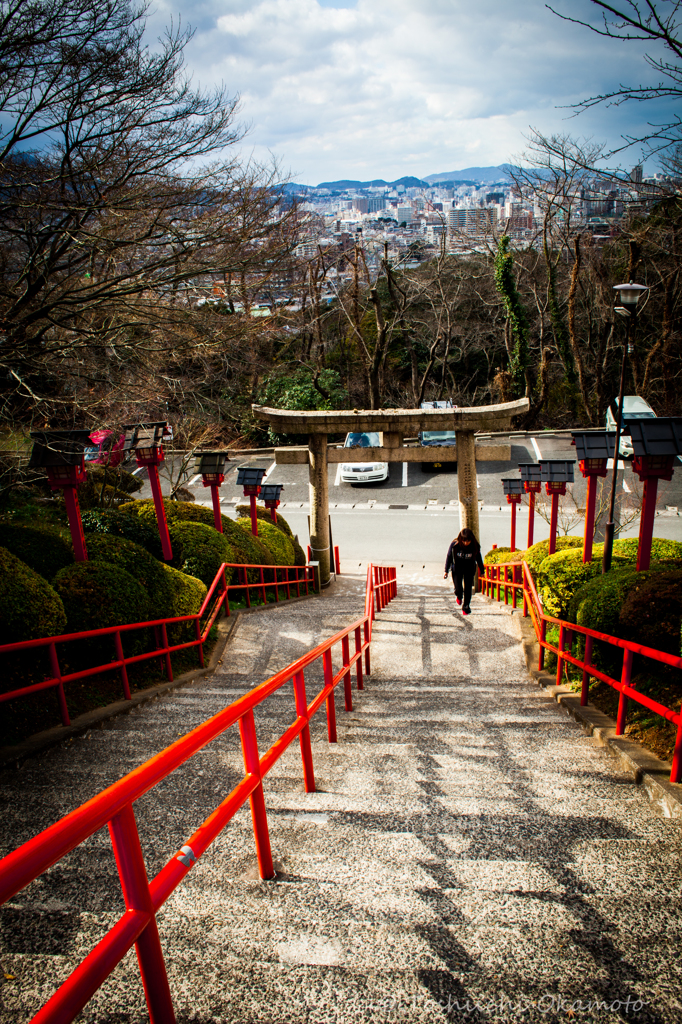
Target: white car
(634, 408)
(363, 472)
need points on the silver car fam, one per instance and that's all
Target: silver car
(363, 472)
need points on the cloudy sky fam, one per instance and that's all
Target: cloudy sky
(383, 88)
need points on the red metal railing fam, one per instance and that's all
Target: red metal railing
(114, 807)
(515, 578)
(287, 577)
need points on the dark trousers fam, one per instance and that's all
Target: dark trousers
(463, 586)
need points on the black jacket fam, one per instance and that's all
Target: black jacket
(464, 559)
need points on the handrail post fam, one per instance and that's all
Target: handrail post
(304, 735)
(358, 663)
(262, 587)
(120, 657)
(200, 646)
(366, 633)
(514, 581)
(131, 869)
(56, 672)
(587, 658)
(543, 638)
(167, 657)
(246, 585)
(247, 731)
(560, 660)
(347, 689)
(622, 700)
(331, 706)
(525, 593)
(676, 769)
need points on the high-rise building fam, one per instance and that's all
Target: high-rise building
(376, 203)
(636, 174)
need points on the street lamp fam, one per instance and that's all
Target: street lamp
(250, 477)
(146, 440)
(269, 495)
(656, 443)
(555, 474)
(211, 465)
(61, 453)
(531, 477)
(594, 449)
(513, 489)
(630, 295)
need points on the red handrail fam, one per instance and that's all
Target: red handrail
(114, 807)
(567, 631)
(295, 576)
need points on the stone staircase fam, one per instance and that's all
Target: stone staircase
(469, 854)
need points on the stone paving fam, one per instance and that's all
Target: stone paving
(470, 855)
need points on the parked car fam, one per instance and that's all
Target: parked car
(437, 438)
(634, 408)
(361, 472)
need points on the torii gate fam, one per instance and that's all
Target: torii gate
(395, 424)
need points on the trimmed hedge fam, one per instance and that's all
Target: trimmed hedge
(562, 574)
(276, 541)
(497, 556)
(651, 613)
(246, 548)
(537, 553)
(108, 485)
(124, 522)
(142, 566)
(265, 517)
(42, 547)
(661, 548)
(199, 550)
(29, 607)
(96, 594)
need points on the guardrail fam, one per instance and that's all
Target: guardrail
(515, 579)
(286, 577)
(114, 807)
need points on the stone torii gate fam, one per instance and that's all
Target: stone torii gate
(395, 424)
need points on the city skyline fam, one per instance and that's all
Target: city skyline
(367, 88)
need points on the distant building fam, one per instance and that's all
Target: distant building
(404, 213)
(375, 204)
(361, 204)
(636, 174)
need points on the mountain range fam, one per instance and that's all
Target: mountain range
(467, 176)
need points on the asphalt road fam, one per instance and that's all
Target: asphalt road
(410, 519)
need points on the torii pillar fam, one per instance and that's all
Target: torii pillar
(394, 424)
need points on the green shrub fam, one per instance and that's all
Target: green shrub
(29, 607)
(41, 547)
(562, 574)
(142, 566)
(651, 613)
(661, 548)
(124, 522)
(498, 556)
(264, 514)
(199, 550)
(537, 553)
(246, 549)
(187, 597)
(278, 544)
(96, 595)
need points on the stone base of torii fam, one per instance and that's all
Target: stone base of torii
(395, 424)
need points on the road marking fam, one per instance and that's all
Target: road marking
(337, 478)
(268, 472)
(404, 474)
(538, 456)
(625, 486)
(138, 470)
(194, 480)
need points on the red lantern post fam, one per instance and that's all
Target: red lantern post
(61, 454)
(211, 465)
(593, 450)
(146, 441)
(269, 495)
(513, 489)
(250, 478)
(656, 443)
(532, 484)
(555, 473)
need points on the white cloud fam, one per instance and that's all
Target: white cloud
(382, 88)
